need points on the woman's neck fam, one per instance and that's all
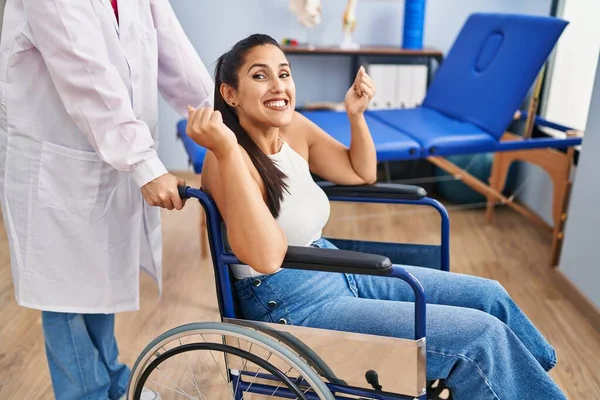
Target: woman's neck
(267, 139)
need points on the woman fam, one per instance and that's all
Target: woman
(257, 169)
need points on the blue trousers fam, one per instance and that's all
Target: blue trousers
(83, 356)
(478, 340)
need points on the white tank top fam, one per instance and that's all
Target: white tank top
(304, 209)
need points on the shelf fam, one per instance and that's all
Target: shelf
(364, 50)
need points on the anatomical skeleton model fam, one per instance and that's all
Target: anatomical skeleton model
(349, 24)
(308, 13)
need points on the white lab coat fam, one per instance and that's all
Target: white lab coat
(78, 137)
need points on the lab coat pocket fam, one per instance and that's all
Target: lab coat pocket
(68, 178)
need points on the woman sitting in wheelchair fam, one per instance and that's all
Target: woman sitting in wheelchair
(258, 171)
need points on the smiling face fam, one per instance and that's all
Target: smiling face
(265, 94)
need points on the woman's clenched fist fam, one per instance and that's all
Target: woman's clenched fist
(206, 128)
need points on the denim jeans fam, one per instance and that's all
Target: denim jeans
(478, 340)
(82, 356)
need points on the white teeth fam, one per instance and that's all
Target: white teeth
(278, 103)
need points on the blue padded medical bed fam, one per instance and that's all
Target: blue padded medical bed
(474, 95)
(471, 102)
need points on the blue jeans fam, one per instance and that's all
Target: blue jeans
(478, 340)
(82, 355)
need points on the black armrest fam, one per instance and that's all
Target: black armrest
(377, 190)
(332, 260)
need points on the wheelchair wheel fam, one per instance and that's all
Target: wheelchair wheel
(217, 360)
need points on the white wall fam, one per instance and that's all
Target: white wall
(569, 92)
(580, 259)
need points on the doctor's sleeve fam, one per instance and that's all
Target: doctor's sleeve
(69, 38)
(182, 76)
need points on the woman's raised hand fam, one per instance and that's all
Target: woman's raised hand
(205, 127)
(360, 93)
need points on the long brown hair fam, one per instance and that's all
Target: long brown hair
(228, 66)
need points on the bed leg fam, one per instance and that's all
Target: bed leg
(495, 182)
(481, 187)
(555, 163)
(560, 209)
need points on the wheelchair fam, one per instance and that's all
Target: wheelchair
(254, 358)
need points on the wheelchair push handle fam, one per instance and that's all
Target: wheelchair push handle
(183, 191)
(188, 192)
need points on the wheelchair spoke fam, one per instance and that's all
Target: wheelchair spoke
(307, 390)
(216, 362)
(299, 383)
(245, 364)
(237, 384)
(157, 354)
(172, 390)
(195, 386)
(246, 361)
(180, 391)
(257, 372)
(244, 369)
(278, 386)
(221, 371)
(250, 385)
(193, 381)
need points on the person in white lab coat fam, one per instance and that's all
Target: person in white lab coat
(80, 178)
